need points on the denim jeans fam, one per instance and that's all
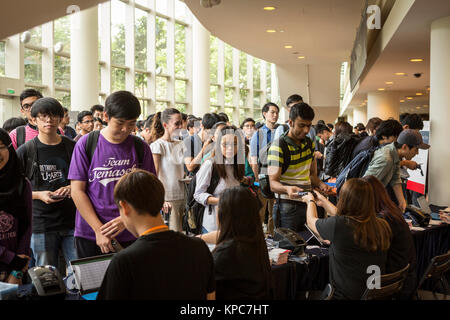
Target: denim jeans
(292, 214)
(46, 247)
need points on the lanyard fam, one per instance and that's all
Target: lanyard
(162, 227)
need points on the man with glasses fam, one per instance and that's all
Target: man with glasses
(86, 123)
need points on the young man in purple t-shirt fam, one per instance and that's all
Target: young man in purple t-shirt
(98, 221)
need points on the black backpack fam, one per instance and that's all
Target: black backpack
(193, 215)
(31, 151)
(20, 136)
(92, 141)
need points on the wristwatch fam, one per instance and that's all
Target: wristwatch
(312, 201)
(17, 274)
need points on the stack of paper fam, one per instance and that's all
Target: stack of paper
(279, 256)
(8, 291)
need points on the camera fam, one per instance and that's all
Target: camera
(417, 75)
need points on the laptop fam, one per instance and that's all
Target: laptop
(89, 273)
(315, 236)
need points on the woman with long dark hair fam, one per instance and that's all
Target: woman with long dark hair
(359, 239)
(15, 214)
(402, 250)
(226, 167)
(241, 261)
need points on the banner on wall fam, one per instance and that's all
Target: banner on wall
(417, 178)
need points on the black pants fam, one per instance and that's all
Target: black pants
(88, 248)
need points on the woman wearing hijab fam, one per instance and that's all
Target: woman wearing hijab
(15, 214)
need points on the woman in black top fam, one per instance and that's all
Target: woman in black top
(15, 214)
(402, 250)
(241, 260)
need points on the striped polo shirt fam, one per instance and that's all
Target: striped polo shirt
(298, 172)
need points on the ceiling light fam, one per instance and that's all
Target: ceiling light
(416, 60)
(389, 82)
(381, 89)
(271, 31)
(402, 100)
(417, 107)
(400, 74)
(301, 57)
(288, 47)
(281, 30)
(419, 94)
(409, 98)
(269, 8)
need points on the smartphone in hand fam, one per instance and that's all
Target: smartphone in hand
(57, 197)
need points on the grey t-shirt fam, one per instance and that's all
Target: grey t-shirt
(348, 261)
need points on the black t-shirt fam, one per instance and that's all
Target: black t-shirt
(348, 261)
(160, 266)
(239, 272)
(53, 168)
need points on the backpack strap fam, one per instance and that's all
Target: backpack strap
(91, 144)
(20, 136)
(68, 146)
(31, 162)
(139, 148)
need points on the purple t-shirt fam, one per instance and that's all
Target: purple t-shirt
(109, 163)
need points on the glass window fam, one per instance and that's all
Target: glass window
(62, 32)
(36, 36)
(229, 96)
(214, 109)
(243, 94)
(142, 2)
(118, 9)
(161, 88)
(243, 114)
(181, 107)
(229, 112)
(2, 58)
(180, 50)
(144, 104)
(140, 38)
(269, 80)
(117, 79)
(256, 74)
(161, 45)
(243, 68)
(161, 105)
(180, 10)
(228, 65)
(180, 90)
(62, 71)
(63, 97)
(257, 115)
(257, 99)
(161, 7)
(213, 95)
(140, 85)
(33, 66)
(213, 58)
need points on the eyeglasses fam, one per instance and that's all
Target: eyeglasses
(27, 106)
(44, 117)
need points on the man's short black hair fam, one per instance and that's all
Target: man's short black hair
(223, 117)
(97, 107)
(139, 124)
(403, 116)
(209, 120)
(12, 123)
(331, 126)
(184, 116)
(65, 110)
(389, 128)
(122, 105)
(247, 120)
(29, 93)
(47, 106)
(191, 122)
(302, 110)
(267, 106)
(294, 98)
(83, 114)
(321, 122)
(414, 121)
(320, 128)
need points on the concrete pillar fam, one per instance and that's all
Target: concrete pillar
(201, 81)
(360, 115)
(438, 177)
(384, 105)
(84, 59)
(350, 118)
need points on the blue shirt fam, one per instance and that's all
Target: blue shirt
(265, 136)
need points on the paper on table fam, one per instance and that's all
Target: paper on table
(435, 222)
(417, 228)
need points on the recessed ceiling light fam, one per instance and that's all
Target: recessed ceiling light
(402, 100)
(281, 30)
(269, 8)
(419, 94)
(381, 89)
(288, 47)
(301, 57)
(400, 74)
(271, 31)
(417, 107)
(389, 82)
(416, 60)
(409, 98)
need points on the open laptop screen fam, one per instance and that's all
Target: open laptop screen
(89, 272)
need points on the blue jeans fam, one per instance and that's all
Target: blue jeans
(289, 214)
(46, 248)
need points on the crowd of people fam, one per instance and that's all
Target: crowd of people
(114, 182)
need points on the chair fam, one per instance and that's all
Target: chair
(390, 285)
(327, 293)
(435, 271)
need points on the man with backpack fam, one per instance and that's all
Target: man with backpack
(259, 144)
(46, 159)
(99, 160)
(292, 169)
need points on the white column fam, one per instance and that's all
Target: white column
(201, 81)
(48, 58)
(360, 115)
(84, 59)
(384, 105)
(350, 118)
(439, 152)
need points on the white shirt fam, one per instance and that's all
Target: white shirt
(201, 196)
(171, 168)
